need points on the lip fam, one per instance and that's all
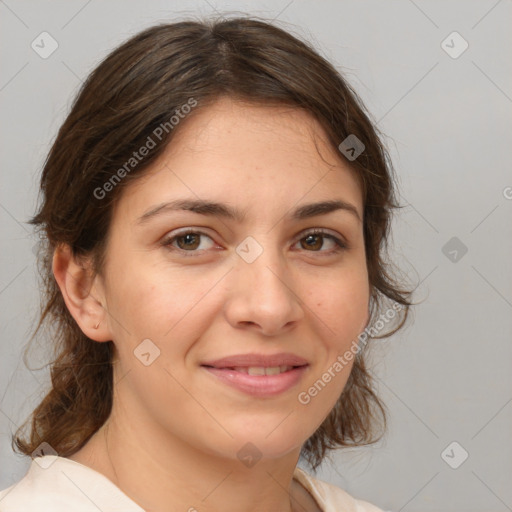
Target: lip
(266, 360)
(258, 385)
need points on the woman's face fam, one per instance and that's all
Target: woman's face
(257, 285)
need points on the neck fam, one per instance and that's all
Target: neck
(163, 474)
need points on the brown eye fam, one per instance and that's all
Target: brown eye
(314, 241)
(186, 241)
(190, 241)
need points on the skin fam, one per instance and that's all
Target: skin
(175, 430)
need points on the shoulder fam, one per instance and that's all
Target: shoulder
(42, 488)
(59, 484)
(330, 497)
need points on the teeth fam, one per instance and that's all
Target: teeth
(260, 370)
(256, 370)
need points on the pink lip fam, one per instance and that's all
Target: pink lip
(246, 360)
(259, 385)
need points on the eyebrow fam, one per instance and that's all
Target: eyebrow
(216, 209)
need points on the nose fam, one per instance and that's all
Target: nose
(264, 294)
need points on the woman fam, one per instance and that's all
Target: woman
(215, 209)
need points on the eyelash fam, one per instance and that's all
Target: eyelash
(340, 244)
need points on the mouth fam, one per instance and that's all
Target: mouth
(258, 370)
(258, 381)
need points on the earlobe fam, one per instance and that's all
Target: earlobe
(76, 282)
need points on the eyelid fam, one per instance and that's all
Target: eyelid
(321, 231)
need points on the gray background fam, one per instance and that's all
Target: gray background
(446, 377)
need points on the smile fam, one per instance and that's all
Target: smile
(259, 381)
(261, 370)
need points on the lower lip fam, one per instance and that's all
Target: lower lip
(259, 385)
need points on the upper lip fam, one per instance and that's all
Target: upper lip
(257, 360)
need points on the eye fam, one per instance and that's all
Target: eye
(315, 238)
(188, 241)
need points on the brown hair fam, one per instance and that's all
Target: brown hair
(131, 93)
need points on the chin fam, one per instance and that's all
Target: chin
(268, 440)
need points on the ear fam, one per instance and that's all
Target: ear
(83, 293)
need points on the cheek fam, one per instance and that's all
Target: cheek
(341, 305)
(159, 303)
(341, 310)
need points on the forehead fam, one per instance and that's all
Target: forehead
(271, 157)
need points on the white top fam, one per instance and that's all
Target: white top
(58, 484)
